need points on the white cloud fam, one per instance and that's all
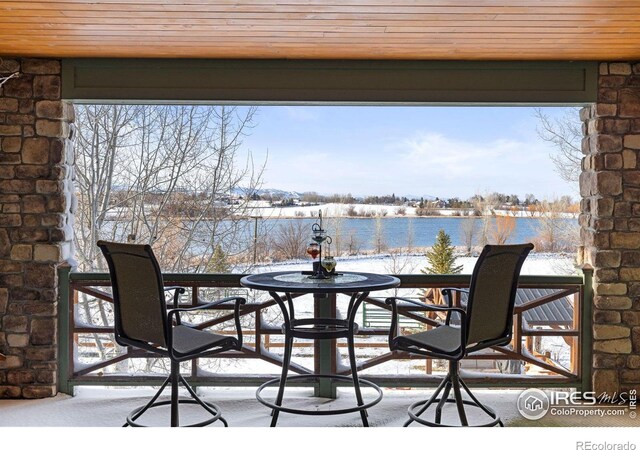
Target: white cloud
(423, 164)
(432, 163)
(332, 154)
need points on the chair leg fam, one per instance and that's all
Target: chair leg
(354, 375)
(429, 402)
(174, 402)
(195, 396)
(477, 402)
(473, 397)
(151, 402)
(452, 381)
(175, 378)
(455, 381)
(288, 349)
(443, 400)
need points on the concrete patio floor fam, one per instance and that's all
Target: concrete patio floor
(101, 407)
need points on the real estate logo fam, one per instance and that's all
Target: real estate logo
(533, 404)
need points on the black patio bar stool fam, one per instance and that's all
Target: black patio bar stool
(486, 321)
(142, 321)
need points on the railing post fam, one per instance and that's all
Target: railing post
(586, 327)
(64, 358)
(325, 349)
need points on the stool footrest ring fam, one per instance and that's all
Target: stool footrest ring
(212, 409)
(276, 382)
(415, 406)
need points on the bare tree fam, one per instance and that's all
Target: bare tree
(162, 175)
(503, 227)
(468, 231)
(565, 133)
(426, 208)
(399, 262)
(290, 240)
(379, 242)
(485, 206)
(335, 225)
(556, 232)
(352, 243)
(410, 235)
(103, 133)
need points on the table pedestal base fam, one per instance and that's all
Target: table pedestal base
(280, 408)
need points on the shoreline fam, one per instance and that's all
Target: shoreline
(444, 216)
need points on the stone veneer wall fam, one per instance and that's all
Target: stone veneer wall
(36, 201)
(610, 222)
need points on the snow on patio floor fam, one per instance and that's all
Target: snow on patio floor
(99, 407)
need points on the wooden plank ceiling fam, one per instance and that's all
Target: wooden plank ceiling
(320, 29)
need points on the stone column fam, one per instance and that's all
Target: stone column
(610, 224)
(36, 206)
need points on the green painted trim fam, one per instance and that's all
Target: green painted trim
(406, 279)
(586, 322)
(448, 280)
(330, 81)
(64, 384)
(502, 383)
(183, 277)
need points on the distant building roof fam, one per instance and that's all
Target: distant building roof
(557, 312)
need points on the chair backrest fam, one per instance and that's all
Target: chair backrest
(138, 292)
(492, 293)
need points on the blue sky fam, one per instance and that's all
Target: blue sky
(438, 151)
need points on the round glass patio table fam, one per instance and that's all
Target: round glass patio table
(281, 286)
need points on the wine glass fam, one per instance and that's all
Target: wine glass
(313, 249)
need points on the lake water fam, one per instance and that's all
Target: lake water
(355, 235)
(411, 231)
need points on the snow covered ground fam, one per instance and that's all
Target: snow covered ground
(535, 264)
(99, 407)
(264, 209)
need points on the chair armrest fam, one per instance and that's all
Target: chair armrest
(236, 313)
(446, 292)
(178, 291)
(393, 302)
(170, 288)
(426, 306)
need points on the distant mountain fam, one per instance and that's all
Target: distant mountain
(274, 192)
(298, 195)
(418, 197)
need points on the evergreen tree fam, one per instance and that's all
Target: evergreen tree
(441, 258)
(218, 263)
